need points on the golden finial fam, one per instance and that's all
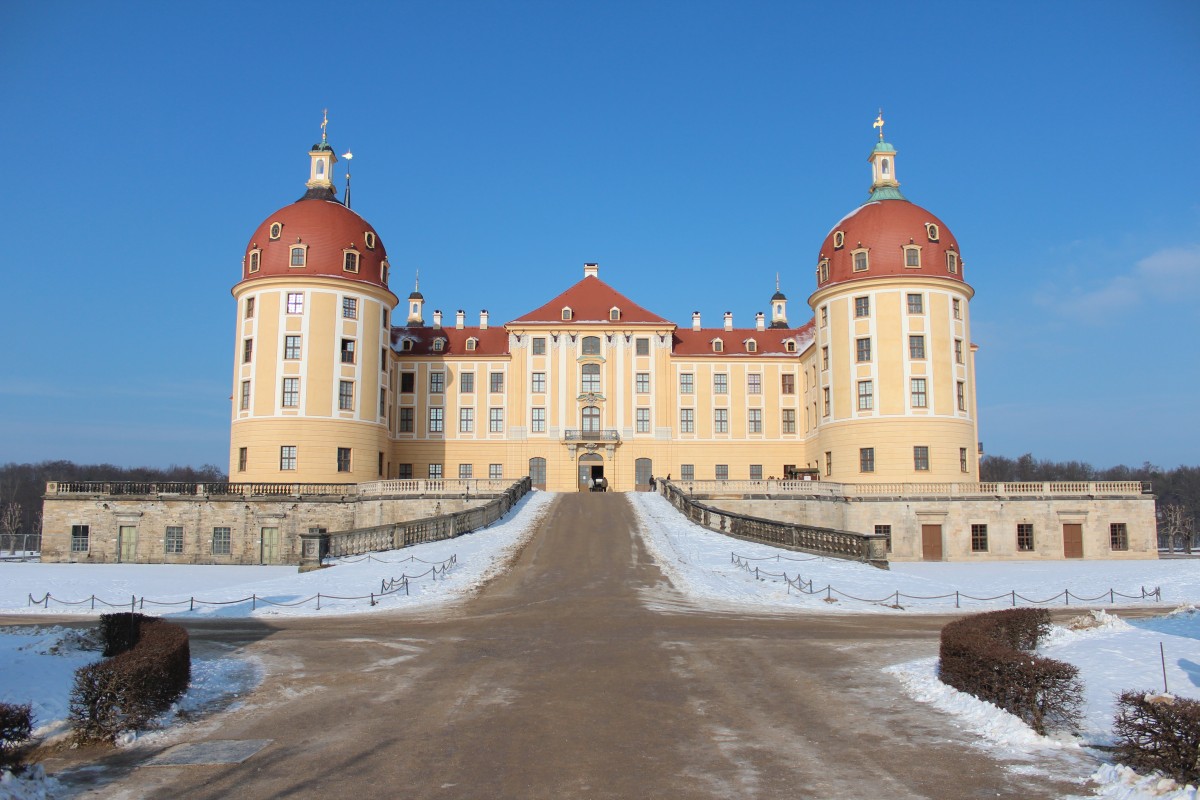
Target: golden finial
(878, 123)
(324, 122)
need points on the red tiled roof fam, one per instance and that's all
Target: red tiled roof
(492, 342)
(769, 342)
(590, 300)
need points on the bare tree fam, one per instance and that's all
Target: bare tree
(10, 523)
(1177, 525)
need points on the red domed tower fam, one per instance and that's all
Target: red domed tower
(895, 399)
(310, 361)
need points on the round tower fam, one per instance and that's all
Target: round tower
(895, 392)
(312, 337)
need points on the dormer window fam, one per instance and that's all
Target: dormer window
(439, 345)
(751, 346)
(912, 256)
(839, 240)
(718, 346)
(276, 230)
(472, 342)
(790, 345)
(299, 255)
(383, 272)
(406, 345)
(369, 240)
(350, 261)
(614, 314)
(823, 270)
(931, 230)
(860, 260)
(952, 262)
(255, 256)
(567, 313)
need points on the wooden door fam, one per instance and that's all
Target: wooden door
(270, 546)
(931, 542)
(1072, 540)
(127, 544)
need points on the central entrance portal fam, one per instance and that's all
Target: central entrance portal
(591, 470)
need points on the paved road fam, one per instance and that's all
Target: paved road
(580, 673)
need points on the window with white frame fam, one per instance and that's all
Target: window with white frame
(754, 383)
(435, 472)
(539, 383)
(466, 420)
(466, 471)
(291, 347)
(919, 397)
(287, 457)
(787, 384)
(437, 419)
(862, 306)
(641, 382)
(590, 346)
(721, 420)
(496, 382)
(687, 420)
(916, 304)
(276, 230)
(961, 391)
(860, 260)
(590, 378)
(466, 383)
(958, 351)
(80, 538)
(642, 346)
(721, 472)
(222, 541)
(685, 383)
(244, 403)
(789, 420)
(247, 350)
(496, 420)
(687, 472)
(952, 263)
(916, 346)
(496, 471)
(828, 401)
(350, 308)
(866, 395)
(754, 421)
(537, 423)
(437, 382)
(862, 349)
(345, 395)
(912, 256)
(348, 351)
(956, 305)
(720, 383)
(539, 345)
(756, 472)
(298, 255)
(921, 458)
(291, 393)
(350, 261)
(249, 308)
(643, 420)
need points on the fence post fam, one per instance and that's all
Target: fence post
(47, 605)
(1014, 595)
(133, 604)
(956, 605)
(253, 602)
(1111, 599)
(1066, 597)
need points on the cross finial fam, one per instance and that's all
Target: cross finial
(324, 122)
(878, 123)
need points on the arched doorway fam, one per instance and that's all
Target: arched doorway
(591, 467)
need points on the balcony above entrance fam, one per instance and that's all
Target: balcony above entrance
(582, 435)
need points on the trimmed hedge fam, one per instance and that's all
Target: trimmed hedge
(1159, 734)
(16, 726)
(989, 656)
(126, 691)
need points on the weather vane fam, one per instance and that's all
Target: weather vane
(324, 122)
(878, 123)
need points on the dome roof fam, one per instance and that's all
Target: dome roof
(327, 232)
(886, 230)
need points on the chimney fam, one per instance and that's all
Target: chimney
(437, 318)
(695, 320)
(760, 322)
(483, 320)
(728, 320)
(591, 270)
(460, 318)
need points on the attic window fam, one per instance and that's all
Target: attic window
(299, 253)
(439, 345)
(472, 342)
(912, 256)
(383, 272)
(751, 346)
(254, 260)
(790, 345)
(369, 240)
(614, 314)
(350, 262)
(860, 261)
(406, 345)
(952, 262)
(823, 270)
(931, 230)
(566, 312)
(718, 346)
(839, 240)
(276, 230)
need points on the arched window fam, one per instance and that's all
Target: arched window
(591, 345)
(350, 263)
(886, 169)
(320, 167)
(406, 345)
(822, 276)
(566, 312)
(952, 262)
(439, 344)
(860, 261)
(790, 345)
(751, 346)
(298, 253)
(590, 379)
(718, 346)
(254, 261)
(614, 314)
(912, 256)
(472, 342)
(591, 419)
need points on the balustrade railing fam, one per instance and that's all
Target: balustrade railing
(581, 435)
(991, 489)
(480, 486)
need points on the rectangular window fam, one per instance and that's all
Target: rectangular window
(496, 471)
(589, 381)
(828, 401)
(642, 345)
(249, 308)
(380, 469)
(287, 457)
(962, 396)
(346, 395)
(466, 383)
(496, 382)
(860, 261)
(886, 531)
(538, 423)
(828, 463)
(919, 399)
(916, 304)
(754, 384)
(789, 420)
(754, 421)
(404, 471)
(408, 382)
(866, 395)
(721, 420)
(862, 349)
(406, 420)
(685, 383)
(222, 541)
(466, 420)
(824, 358)
(756, 472)
(466, 471)
(343, 459)
(962, 458)
(496, 420)
(385, 318)
(435, 472)
(79, 538)
(687, 472)
(722, 472)
(958, 351)
(957, 305)
(539, 383)
(437, 382)
(866, 459)
(687, 420)
(347, 351)
(912, 257)
(921, 458)
(174, 540)
(243, 458)
(862, 306)
(350, 307)
(291, 347)
(383, 402)
(824, 316)
(244, 402)
(247, 350)
(916, 346)
(539, 345)
(1025, 537)
(295, 303)
(643, 420)
(291, 392)
(787, 384)
(720, 384)
(979, 542)
(642, 383)
(1118, 536)
(436, 419)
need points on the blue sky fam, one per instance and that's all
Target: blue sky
(693, 149)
